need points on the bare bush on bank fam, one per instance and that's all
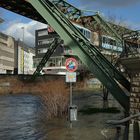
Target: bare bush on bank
(54, 93)
(55, 98)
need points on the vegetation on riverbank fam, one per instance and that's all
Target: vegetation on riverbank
(53, 92)
(55, 96)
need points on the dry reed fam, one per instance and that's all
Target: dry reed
(53, 93)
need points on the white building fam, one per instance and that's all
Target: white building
(6, 54)
(24, 58)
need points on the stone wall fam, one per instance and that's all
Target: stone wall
(135, 93)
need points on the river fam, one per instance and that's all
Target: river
(23, 117)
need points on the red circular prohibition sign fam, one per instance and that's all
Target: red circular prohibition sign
(71, 64)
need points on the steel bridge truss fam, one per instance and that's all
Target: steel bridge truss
(56, 43)
(47, 12)
(93, 22)
(131, 44)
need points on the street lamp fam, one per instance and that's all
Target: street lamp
(23, 46)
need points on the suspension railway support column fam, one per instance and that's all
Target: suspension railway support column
(133, 67)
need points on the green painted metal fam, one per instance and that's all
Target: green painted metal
(89, 55)
(57, 42)
(70, 11)
(73, 12)
(21, 7)
(108, 28)
(131, 44)
(24, 8)
(115, 74)
(120, 29)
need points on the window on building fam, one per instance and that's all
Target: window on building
(42, 50)
(43, 33)
(88, 34)
(45, 41)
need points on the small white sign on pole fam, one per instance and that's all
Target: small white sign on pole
(70, 77)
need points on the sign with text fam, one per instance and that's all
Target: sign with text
(70, 77)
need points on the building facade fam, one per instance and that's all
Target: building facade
(23, 58)
(6, 54)
(44, 39)
(15, 56)
(107, 45)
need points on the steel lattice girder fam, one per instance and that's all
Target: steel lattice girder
(89, 55)
(56, 43)
(82, 48)
(22, 7)
(69, 10)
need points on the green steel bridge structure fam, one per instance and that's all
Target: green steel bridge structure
(58, 14)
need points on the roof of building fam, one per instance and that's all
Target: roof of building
(42, 29)
(3, 35)
(26, 47)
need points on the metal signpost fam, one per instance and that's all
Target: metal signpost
(71, 66)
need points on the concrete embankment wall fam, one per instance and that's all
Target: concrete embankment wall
(22, 83)
(53, 90)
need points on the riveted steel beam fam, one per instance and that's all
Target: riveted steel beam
(81, 47)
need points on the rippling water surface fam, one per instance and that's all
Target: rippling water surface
(23, 117)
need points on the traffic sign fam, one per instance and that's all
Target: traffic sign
(71, 64)
(70, 77)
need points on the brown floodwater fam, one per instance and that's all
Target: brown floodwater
(24, 117)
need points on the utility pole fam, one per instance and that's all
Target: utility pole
(23, 46)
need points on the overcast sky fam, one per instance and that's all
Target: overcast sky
(126, 10)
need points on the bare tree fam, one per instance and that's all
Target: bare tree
(121, 21)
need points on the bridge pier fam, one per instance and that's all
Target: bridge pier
(135, 94)
(133, 68)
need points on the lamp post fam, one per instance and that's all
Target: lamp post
(23, 46)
